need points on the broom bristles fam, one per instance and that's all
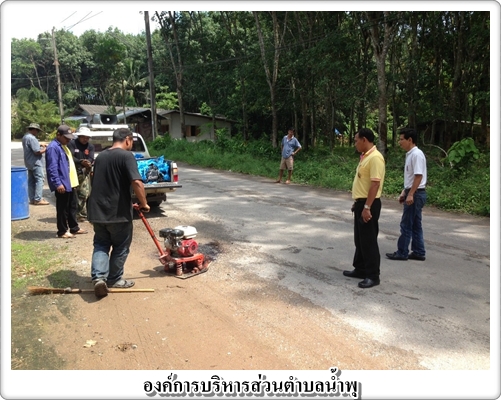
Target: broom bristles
(44, 290)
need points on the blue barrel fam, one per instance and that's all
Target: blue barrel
(20, 202)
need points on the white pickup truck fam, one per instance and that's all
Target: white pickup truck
(167, 180)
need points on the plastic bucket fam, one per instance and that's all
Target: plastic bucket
(20, 202)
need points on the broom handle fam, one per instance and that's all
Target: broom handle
(111, 290)
(48, 290)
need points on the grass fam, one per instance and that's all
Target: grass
(33, 262)
(464, 188)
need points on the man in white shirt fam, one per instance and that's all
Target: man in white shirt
(413, 197)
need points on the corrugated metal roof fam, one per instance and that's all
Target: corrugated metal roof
(165, 112)
(90, 109)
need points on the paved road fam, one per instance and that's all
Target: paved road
(302, 239)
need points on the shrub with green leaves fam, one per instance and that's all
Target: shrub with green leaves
(461, 153)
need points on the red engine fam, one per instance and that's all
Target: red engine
(188, 248)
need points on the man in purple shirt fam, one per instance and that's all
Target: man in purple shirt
(62, 179)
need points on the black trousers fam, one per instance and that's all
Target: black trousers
(367, 259)
(66, 210)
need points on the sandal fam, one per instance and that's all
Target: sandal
(80, 232)
(122, 284)
(66, 235)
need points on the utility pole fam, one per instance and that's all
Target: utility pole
(151, 78)
(56, 63)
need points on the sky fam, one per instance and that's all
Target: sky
(76, 17)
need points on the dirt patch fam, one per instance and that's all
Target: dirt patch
(224, 319)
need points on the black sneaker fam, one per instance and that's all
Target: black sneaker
(414, 256)
(396, 256)
(100, 288)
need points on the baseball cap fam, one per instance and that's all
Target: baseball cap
(65, 130)
(121, 133)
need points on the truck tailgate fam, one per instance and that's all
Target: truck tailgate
(161, 187)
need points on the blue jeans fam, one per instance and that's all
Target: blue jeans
(411, 227)
(35, 183)
(117, 237)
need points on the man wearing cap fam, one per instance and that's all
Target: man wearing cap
(289, 147)
(83, 156)
(110, 211)
(62, 178)
(33, 151)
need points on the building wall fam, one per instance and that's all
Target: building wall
(197, 127)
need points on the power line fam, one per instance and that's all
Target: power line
(68, 17)
(85, 19)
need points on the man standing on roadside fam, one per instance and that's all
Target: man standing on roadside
(413, 197)
(366, 191)
(290, 146)
(62, 178)
(110, 211)
(83, 157)
(33, 151)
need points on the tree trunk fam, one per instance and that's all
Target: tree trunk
(411, 73)
(455, 109)
(36, 73)
(332, 136)
(304, 122)
(381, 46)
(271, 76)
(245, 123)
(177, 67)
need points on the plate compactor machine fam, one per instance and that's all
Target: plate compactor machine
(180, 256)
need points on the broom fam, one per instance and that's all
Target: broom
(48, 290)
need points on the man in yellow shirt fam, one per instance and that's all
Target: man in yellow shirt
(366, 192)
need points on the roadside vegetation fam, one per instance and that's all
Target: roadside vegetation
(457, 181)
(33, 262)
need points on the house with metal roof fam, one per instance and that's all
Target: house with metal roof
(197, 126)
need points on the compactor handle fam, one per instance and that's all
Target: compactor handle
(148, 227)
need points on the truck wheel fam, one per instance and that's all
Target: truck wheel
(154, 204)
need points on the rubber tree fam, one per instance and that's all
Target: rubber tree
(382, 26)
(272, 73)
(168, 24)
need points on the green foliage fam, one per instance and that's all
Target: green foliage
(161, 143)
(205, 109)
(466, 190)
(461, 153)
(33, 106)
(165, 99)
